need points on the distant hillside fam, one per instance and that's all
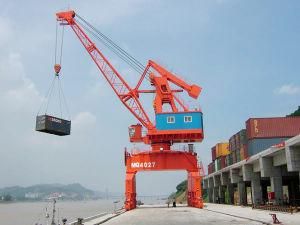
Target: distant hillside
(296, 113)
(180, 194)
(43, 191)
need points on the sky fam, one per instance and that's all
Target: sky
(244, 54)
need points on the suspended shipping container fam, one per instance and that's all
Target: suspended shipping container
(257, 145)
(277, 127)
(53, 125)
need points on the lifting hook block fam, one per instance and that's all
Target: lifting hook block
(57, 69)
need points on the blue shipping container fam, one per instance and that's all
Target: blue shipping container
(179, 121)
(257, 145)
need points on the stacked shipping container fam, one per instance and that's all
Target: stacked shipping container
(218, 154)
(260, 134)
(265, 132)
(238, 146)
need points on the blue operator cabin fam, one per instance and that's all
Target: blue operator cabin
(179, 121)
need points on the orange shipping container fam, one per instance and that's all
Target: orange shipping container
(222, 149)
(244, 152)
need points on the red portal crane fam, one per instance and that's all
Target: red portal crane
(179, 125)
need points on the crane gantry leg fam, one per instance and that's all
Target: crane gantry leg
(162, 161)
(130, 194)
(194, 197)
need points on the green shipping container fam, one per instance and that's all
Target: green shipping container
(238, 155)
(218, 164)
(229, 159)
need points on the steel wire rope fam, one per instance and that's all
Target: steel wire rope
(50, 94)
(56, 76)
(64, 99)
(51, 85)
(59, 97)
(110, 48)
(62, 43)
(139, 64)
(130, 60)
(55, 48)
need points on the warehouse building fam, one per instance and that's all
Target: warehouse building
(262, 165)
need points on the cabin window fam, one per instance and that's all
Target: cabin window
(187, 119)
(170, 119)
(131, 132)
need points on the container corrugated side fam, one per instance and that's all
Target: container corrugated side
(233, 157)
(238, 155)
(213, 167)
(229, 159)
(223, 162)
(273, 127)
(244, 152)
(213, 153)
(243, 137)
(260, 144)
(53, 125)
(232, 144)
(222, 149)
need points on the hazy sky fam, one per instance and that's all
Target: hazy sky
(245, 55)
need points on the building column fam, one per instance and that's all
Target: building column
(274, 172)
(215, 194)
(230, 193)
(276, 186)
(221, 194)
(242, 193)
(210, 192)
(217, 184)
(256, 189)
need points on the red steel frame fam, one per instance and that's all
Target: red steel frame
(163, 161)
(161, 157)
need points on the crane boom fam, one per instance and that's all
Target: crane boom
(127, 96)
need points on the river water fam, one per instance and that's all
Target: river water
(30, 213)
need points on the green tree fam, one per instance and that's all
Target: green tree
(181, 187)
(296, 113)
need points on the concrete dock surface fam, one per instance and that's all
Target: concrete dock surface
(211, 214)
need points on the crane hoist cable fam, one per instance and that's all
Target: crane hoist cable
(56, 81)
(111, 45)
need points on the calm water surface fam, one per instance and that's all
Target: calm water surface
(29, 213)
